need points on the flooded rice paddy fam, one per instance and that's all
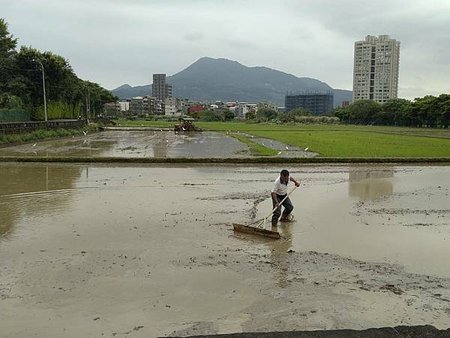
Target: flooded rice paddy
(98, 250)
(147, 143)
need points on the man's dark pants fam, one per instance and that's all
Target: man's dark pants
(288, 207)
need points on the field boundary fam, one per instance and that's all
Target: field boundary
(244, 160)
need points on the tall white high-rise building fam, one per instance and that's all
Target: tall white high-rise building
(375, 69)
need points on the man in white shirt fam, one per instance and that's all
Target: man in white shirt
(279, 192)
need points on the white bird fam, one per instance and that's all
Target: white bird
(287, 148)
(279, 153)
(34, 145)
(306, 149)
(84, 132)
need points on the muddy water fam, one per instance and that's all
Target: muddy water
(149, 143)
(380, 214)
(148, 250)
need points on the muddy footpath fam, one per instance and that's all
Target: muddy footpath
(146, 251)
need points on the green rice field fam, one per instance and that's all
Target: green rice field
(338, 140)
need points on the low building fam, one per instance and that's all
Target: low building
(196, 108)
(171, 107)
(158, 107)
(149, 104)
(142, 105)
(242, 108)
(112, 109)
(137, 106)
(124, 106)
(315, 103)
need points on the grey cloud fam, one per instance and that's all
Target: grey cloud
(121, 41)
(194, 36)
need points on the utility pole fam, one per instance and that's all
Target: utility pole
(88, 104)
(43, 86)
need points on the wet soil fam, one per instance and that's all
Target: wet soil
(146, 251)
(146, 143)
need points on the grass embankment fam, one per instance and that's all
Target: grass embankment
(144, 123)
(256, 149)
(342, 140)
(42, 134)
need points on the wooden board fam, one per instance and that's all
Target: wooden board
(256, 231)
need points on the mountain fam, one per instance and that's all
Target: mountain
(126, 91)
(210, 79)
(341, 95)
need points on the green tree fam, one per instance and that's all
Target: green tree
(444, 109)
(251, 115)
(8, 101)
(393, 112)
(342, 113)
(266, 114)
(7, 50)
(426, 110)
(228, 115)
(7, 42)
(293, 115)
(210, 115)
(66, 94)
(363, 111)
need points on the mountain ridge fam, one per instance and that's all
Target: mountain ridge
(209, 79)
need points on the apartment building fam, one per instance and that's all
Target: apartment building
(376, 69)
(160, 89)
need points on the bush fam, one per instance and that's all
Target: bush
(309, 119)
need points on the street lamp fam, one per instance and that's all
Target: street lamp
(43, 85)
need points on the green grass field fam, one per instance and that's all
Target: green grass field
(339, 140)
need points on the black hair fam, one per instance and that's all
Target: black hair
(284, 172)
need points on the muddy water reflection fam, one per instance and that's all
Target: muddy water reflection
(383, 214)
(28, 191)
(370, 183)
(397, 215)
(280, 251)
(150, 143)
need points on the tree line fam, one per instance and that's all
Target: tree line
(428, 111)
(21, 87)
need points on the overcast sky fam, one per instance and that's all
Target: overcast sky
(113, 42)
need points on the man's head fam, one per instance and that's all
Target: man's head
(284, 174)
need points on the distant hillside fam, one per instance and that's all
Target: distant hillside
(126, 91)
(341, 95)
(220, 79)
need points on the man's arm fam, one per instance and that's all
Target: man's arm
(295, 181)
(274, 199)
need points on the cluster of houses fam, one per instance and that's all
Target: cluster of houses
(161, 102)
(175, 107)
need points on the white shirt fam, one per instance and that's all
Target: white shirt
(280, 189)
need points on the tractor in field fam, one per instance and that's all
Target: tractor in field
(185, 124)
